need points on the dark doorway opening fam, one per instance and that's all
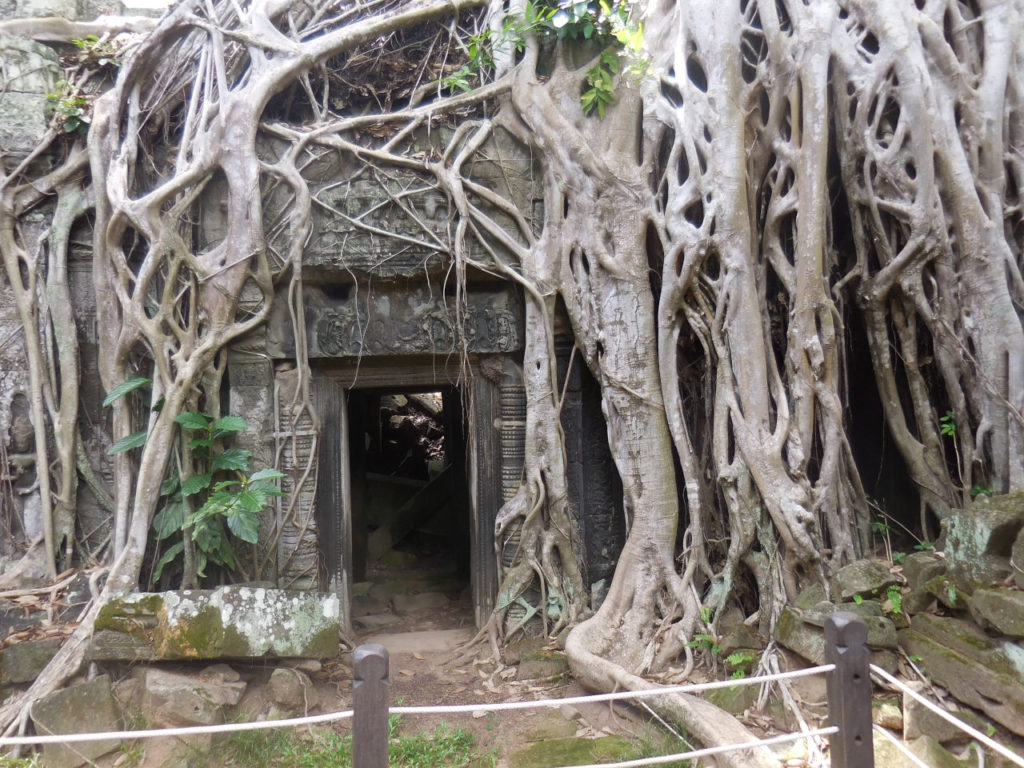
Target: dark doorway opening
(410, 509)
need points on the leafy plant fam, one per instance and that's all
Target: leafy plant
(899, 557)
(231, 497)
(858, 599)
(605, 23)
(706, 642)
(69, 108)
(980, 490)
(947, 424)
(924, 546)
(894, 598)
(741, 662)
(97, 52)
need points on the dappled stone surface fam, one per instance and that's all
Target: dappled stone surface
(919, 721)
(979, 540)
(84, 708)
(229, 622)
(982, 672)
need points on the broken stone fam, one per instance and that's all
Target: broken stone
(292, 690)
(173, 699)
(804, 639)
(741, 637)
(999, 609)
(864, 578)
(918, 569)
(810, 597)
(229, 622)
(22, 662)
(83, 708)
(1017, 560)
(881, 630)
(887, 713)
(422, 601)
(920, 721)
(219, 673)
(979, 540)
(933, 754)
(980, 671)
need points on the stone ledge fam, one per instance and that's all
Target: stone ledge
(226, 623)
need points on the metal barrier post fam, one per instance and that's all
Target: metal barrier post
(370, 705)
(849, 691)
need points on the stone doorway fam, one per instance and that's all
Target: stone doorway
(410, 509)
(359, 489)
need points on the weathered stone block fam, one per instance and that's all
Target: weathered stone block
(887, 713)
(21, 662)
(980, 671)
(999, 609)
(979, 540)
(864, 578)
(84, 708)
(920, 567)
(172, 699)
(30, 72)
(542, 663)
(1017, 560)
(228, 623)
(919, 721)
(881, 630)
(292, 691)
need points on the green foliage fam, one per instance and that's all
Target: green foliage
(124, 388)
(96, 52)
(899, 557)
(981, 490)
(134, 440)
(858, 599)
(894, 599)
(231, 499)
(947, 424)
(69, 109)
(605, 23)
(924, 546)
(741, 662)
(706, 642)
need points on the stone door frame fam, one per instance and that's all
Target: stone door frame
(487, 461)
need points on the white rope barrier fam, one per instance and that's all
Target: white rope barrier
(988, 742)
(618, 696)
(62, 738)
(781, 739)
(151, 733)
(902, 747)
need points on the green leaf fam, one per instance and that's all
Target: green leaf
(267, 489)
(124, 388)
(193, 420)
(230, 424)
(265, 474)
(245, 524)
(232, 458)
(200, 442)
(252, 500)
(168, 558)
(134, 440)
(225, 484)
(169, 520)
(170, 485)
(194, 484)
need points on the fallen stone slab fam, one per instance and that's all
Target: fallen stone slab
(226, 623)
(982, 672)
(979, 540)
(22, 662)
(84, 708)
(421, 601)
(863, 578)
(999, 609)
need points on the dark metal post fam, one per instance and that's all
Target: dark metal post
(370, 702)
(849, 691)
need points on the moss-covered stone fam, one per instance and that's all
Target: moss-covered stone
(979, 540)
(864, 578)
(1001, 610)
(980, 671)
(229, 622)
(571, 751)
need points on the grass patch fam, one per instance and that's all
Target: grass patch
(446, 747)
